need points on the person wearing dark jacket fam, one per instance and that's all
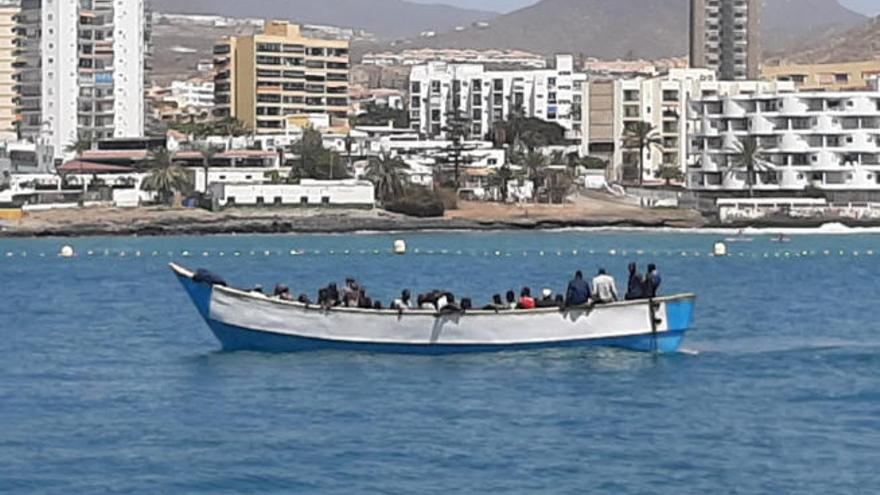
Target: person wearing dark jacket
(652, 281)
(635, 287)
(578, 292)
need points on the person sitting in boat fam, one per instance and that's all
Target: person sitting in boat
(257, 290)
(604, 288)
(526, 301)
(547, 300)
(423, 302)
(446, 303)
(652, 282)
(377, 305)
(511, 299)
(324, 299)
(332, 295)
(282, 292)
(304, 299)
(404, 302)
(636, 284)
(497, 304)
(350, 293)
(578, 292)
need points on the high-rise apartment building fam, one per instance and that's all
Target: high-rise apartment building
(265, 79)
(441, 92)
(82, 68)
(725, 37)
(9, 11)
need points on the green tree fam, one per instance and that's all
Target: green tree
(388, 176)
(316, 162)
(376, 115)
(166, 177)
(208, 153)
(670, 173)
(535, 162)
(748, 155)
(82, 144)
(501, 178)
(641, 136)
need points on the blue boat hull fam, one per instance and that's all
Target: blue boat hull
(236, 338)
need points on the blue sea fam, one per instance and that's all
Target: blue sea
(111, 383)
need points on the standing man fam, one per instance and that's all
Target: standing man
(604, 288)
(652, 281)
(636, 285)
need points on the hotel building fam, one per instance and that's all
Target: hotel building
(821, 140)
(440, 91)
(266, 79)
(613, 107)
(9, 11)
(725, 37)
(81, 70)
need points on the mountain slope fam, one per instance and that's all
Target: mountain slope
(860, 43)
(386, 18)
(642, 28)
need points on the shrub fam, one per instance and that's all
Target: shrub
(421, 204)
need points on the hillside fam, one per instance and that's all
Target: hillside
(860, 43)
(387, 19)
(640, 28)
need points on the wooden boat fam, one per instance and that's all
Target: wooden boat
(242, 320)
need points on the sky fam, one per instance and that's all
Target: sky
(868, 7)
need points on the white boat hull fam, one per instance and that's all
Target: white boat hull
(246, 321)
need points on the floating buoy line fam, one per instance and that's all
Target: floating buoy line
(718, 251)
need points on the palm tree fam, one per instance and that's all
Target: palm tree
(165, 177)
(82, 144)
(641, 136)
(500, 178)
(208, 153)
(748, 155)
(534, 161)
(387, 175)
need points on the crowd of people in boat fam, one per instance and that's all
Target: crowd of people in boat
(602, 289)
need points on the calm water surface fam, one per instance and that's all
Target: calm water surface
(110, 383)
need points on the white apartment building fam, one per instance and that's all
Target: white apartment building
(825, 141)
(192, 94)
(83, 70)
(612, 108)
(439, 91)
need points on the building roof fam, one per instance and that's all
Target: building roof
(85, 167)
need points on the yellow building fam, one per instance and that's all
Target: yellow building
(265, 78)
(825, 77)
(8, 114)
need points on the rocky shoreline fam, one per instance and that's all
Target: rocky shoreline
(322, 225)
(176, 222)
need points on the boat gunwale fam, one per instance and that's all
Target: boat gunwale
(181, 271)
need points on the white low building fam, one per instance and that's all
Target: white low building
(308, 193)
(823, 141)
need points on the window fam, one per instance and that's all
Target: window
(278, 200)
(260, 201)
(304, 200)
(325, 200)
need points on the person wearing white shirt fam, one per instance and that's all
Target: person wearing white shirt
(604, 288)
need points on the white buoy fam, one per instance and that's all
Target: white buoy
(720, 249)
(399, 246)
(67, 252)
